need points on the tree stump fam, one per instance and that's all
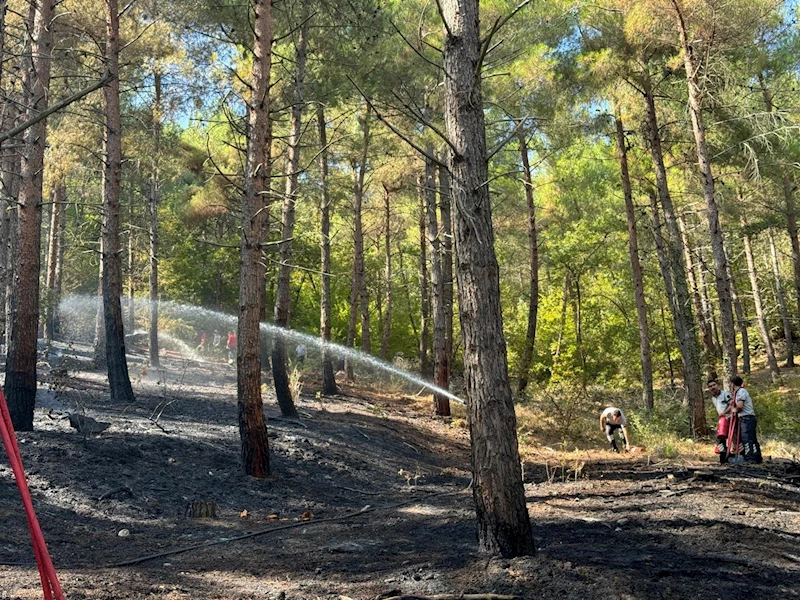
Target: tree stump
(202, 509)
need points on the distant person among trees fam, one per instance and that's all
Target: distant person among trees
(201, 347)
(612, 420)
(216, 341)
(301, 352)
(231, 346)
(743, 409)
(723, 403)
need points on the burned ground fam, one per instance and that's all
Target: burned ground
(369, 495)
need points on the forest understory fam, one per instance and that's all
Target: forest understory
(369, 499)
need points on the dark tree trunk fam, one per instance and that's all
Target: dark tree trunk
(280, 373)
(682, 316)
(131, 325)
(700, 310)
(20, 382)
(155, 199)
(787, 326)
(445, 208)
(425, 309)
(503, 523)
(252, 288)
(636, 269)
(55, 253)
(329, 386)
(441, 403)
(100, 354)
(8, 232)
(741, 320)
(358, 287)
(387, 273)
(118, 378)
(761, 319)
(533, 258)
(692, 67)
(791, 228)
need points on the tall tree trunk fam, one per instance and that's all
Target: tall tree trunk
(787, 327)
(20, 382)
(387, 274)
(791, 228)
(358, 287)
(100, 354)
(329, 386)
(8, 223)
(118, 378)
(533, 257)
(636, 268)
(280, 373)
(55, 253)
(791, 217)
(692, 65)
(441, 403)
(252, 288)
(705, 300)
(700, 310)
(445, 208)
(425, 309)
(682, 316)
(155, 200)
(131, 266)
(503, 523)
(741, 319)
(667, 345)
(761, 320)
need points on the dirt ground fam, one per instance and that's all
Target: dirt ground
(369, 498)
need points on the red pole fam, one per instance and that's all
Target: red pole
(47, 573)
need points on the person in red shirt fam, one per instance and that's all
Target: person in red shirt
(231, 346)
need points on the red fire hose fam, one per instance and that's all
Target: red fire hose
(47, 573)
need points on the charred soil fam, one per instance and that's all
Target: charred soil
(369, 496)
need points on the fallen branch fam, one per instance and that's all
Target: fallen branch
(366, 493)
(252, 534)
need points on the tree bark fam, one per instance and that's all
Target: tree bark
(441, 403)
(791, 228)
(503, 523)
(8, 236)
(118, 378)
(445, 208)
(636, 269)
(533, 258)
(20, 381)
(55, 253)
(691, 65)
(741, 320)
(329, 386)
(761, 320)
(358, 289)
(131, 324)
(155, 200)
(425, 310)
(682, 316)
(387, 273)
(787, 326)
(282, 317)
(252, 288)
(700, 310)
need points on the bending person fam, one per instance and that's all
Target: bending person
(722, 402)
(611, 421)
